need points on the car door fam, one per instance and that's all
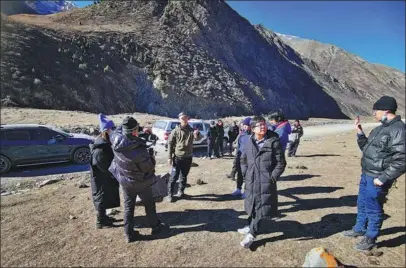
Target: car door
(19, 147)
(53, 146)
(159, 129)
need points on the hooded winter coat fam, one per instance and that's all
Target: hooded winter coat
(104, 186)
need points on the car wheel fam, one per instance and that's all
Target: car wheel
(81, 156)
(5, 164)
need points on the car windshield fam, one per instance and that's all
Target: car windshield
(174, 124)
(61, 131)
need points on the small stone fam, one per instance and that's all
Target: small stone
(5, 193)
(373, 261)
(47, 182)
(301, 167)
(37, 81)
(83, 185)
(71, 217)
(200, 182)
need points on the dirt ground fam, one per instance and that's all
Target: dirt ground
(317, 201)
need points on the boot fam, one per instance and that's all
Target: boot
(352, 233)
(366, 243)
(134, 236)
(160, 228)
(101, 223)
(180, 194)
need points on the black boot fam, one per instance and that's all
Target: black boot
(159, 228)
(103, 220)
(134, 236)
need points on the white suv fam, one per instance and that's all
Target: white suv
(163, 128)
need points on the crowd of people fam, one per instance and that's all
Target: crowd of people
(120, 156)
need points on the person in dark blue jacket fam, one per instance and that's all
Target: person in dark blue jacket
(281, 127)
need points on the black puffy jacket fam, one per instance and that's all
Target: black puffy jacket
(383, 152)
(132, 163)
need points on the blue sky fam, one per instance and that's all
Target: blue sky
(374, 30)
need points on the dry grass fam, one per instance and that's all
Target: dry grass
(316, 203)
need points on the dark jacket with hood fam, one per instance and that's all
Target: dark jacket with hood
(212, 133)
(132, 164)
(220, 132)
(233, 133)
(383, 152)
(261, 168)
(105, 191)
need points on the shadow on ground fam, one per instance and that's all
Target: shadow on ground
(318, 155)
(44, 170)
(297, 177)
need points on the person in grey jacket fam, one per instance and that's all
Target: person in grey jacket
(383, 161)
(134, 168)
(262, 163)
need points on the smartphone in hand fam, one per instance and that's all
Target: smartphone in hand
(358, 123)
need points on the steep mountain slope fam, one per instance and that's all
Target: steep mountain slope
(370, 80)
(161, 57)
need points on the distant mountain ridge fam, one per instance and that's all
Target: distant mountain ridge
(35, 7)
(163, 57)
(370, 80)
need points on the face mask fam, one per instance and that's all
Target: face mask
(384, 118)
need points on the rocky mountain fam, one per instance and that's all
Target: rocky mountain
(371, 81)
(162, 57)
(35, 7)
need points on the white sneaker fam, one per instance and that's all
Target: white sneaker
(236, 192)
(244, 231)
(248, 240)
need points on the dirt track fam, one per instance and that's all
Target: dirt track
(317, 200)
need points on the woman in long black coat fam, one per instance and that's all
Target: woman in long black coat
(105, 188)
(262, 163)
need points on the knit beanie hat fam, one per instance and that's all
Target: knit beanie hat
(385, 103)
(105, 123)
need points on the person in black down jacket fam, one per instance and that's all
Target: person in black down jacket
(134, 168)
(233, 132)
(220, 138)
(104, 186)
(212, 141)
(262, 163)
(297, 133)
(383, 161)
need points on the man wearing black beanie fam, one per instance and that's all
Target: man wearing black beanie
(383, 161)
